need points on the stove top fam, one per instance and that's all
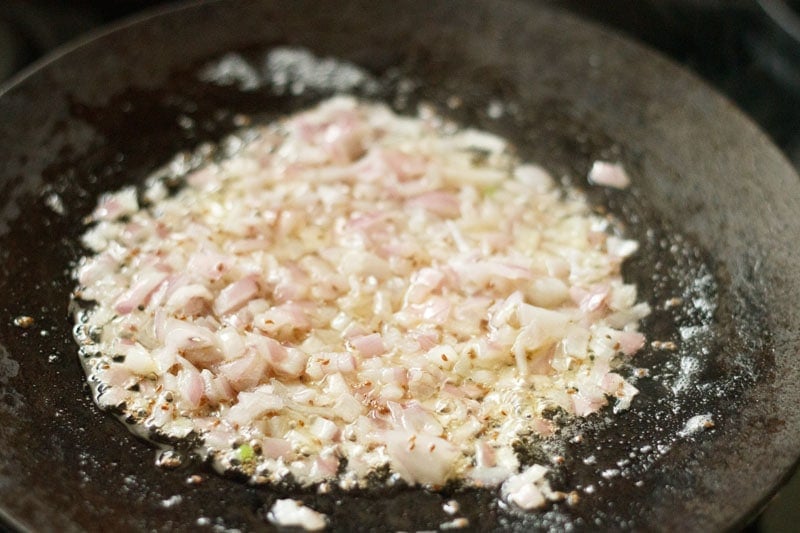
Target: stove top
(747, 49)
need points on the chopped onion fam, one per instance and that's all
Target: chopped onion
(609, 174)
(292, 513)
(356, 291)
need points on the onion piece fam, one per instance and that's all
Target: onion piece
(609, 175)
(420, 457)
(144, 285)
(236, 295)
(251, 405)
(368, 345)
(527, 490)
(292, 513)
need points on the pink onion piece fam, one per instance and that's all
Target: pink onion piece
(96, 268)
(284, 321)
(630, 342)
(251, 405)
(140, 291)
(246, 372)
(585, 404)
(419, 457)
(116, 205)
(609, 175)
(443, 204)
(236, 295)
(275, 448)
(209, 265)
(325, 467)
(191, 385)
(526, 490)
(369, 345)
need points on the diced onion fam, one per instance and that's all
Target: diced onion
(357, 290)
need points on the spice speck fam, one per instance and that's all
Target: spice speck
(24, 321)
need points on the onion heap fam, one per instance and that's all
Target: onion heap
(356, 291)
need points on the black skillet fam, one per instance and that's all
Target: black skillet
(715, 205)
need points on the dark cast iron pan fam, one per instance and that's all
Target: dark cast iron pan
(714, 204)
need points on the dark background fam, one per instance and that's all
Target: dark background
(747, 49)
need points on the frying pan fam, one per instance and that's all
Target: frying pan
(714, 204)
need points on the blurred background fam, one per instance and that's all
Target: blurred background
(747, 49)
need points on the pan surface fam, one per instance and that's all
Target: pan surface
(715, 206)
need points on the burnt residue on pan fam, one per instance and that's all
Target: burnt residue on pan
(724, 355)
